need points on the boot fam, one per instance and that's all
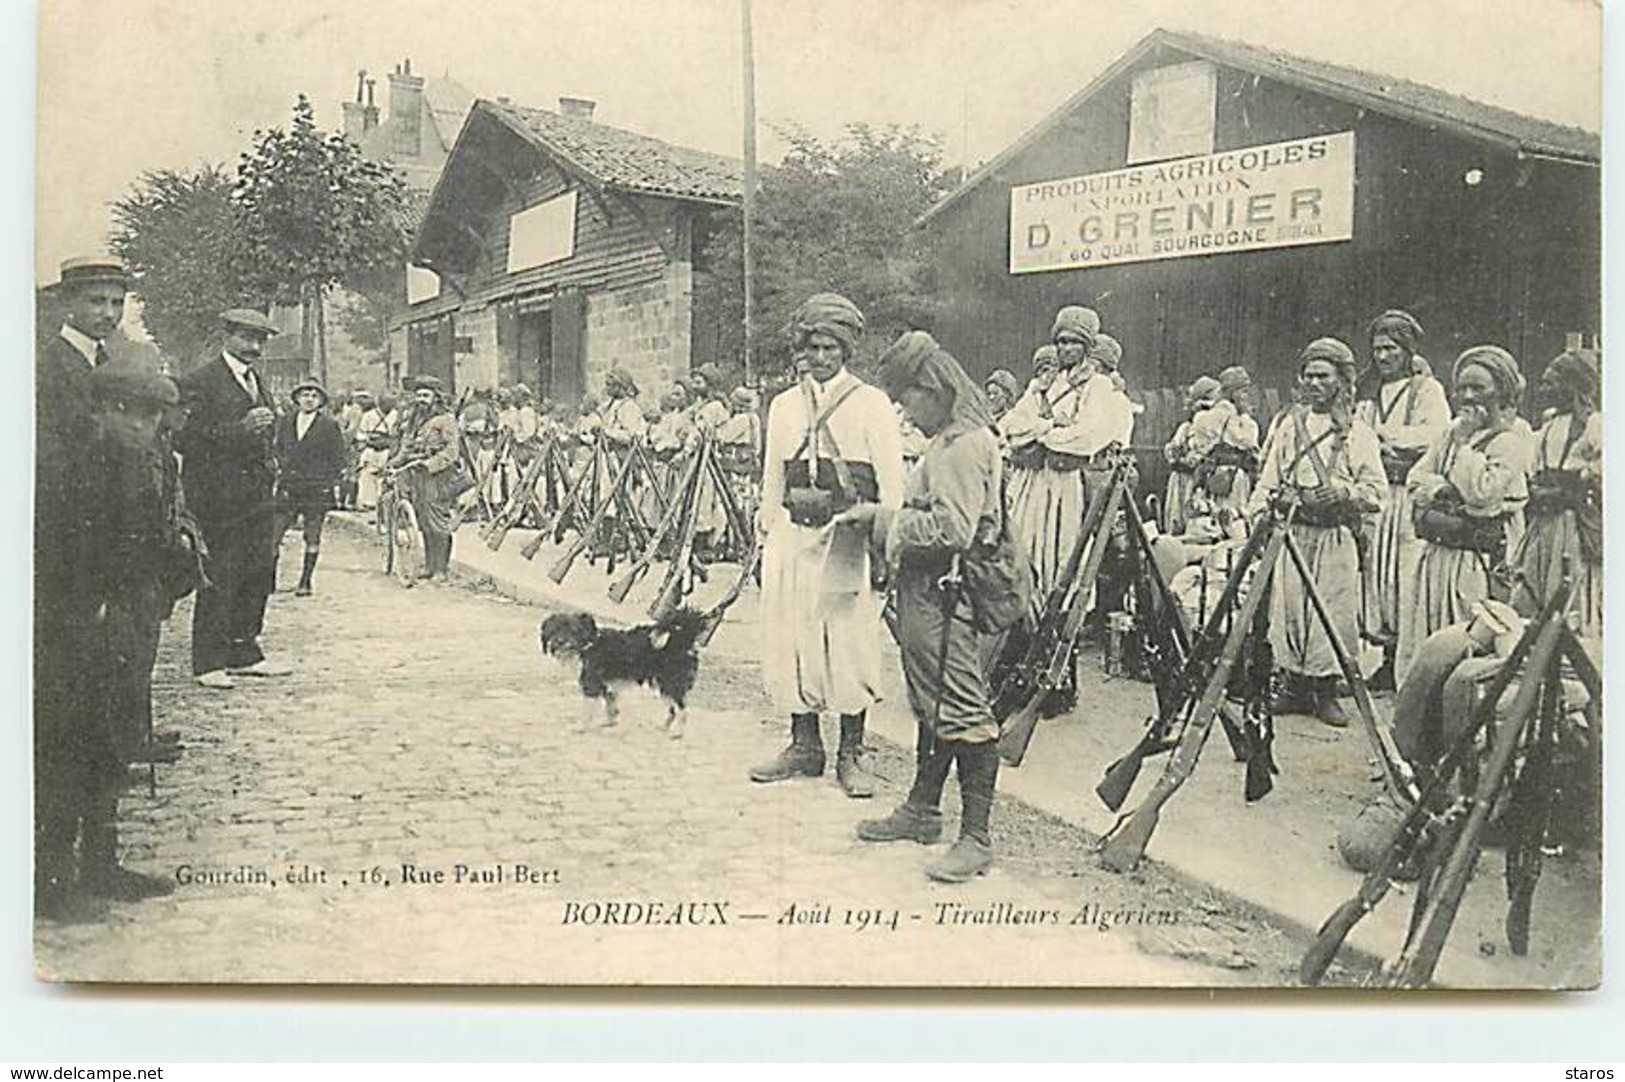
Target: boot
(803, 758)
(855, 781)
(918, 818)
(1328, 708)
(102, 877)
(1383, 678)
(1292, 696)
(972, 854)
(303, 589)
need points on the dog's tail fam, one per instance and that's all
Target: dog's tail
(683, 628)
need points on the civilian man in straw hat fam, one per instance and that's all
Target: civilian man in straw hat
(832, 442)
(310, 454)
(229, 460)
(75, 757)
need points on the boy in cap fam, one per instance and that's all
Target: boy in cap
(310, 457)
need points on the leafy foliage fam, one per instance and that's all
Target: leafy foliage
(314, 210)
(179, 232)
(839, 217)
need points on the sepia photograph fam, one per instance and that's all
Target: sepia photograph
(813, 494)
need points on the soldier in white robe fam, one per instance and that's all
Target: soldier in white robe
(821, 610)
(1326, 460)
(1408, 410)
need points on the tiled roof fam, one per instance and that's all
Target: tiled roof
(1383, 94)
(626, 160)
(414, 207)
(1531, 134)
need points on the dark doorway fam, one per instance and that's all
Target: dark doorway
(536, 351)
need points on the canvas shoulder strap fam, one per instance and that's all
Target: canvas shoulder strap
(1310, 449)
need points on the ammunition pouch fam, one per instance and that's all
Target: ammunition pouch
(1065, 463)
(1552, 492)
(1030, 457)
(1328, 516)
(814, 500)
(1457, 530)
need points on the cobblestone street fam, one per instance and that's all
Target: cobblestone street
(424, 729)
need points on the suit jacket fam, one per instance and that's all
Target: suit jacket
(310, 467)
(229, 472)
(63, 473)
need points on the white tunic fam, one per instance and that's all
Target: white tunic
(820, 614)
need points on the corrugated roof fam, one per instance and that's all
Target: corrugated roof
(1390, 96)
(626, 160)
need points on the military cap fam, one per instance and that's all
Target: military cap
(93, 268)
(125, 380)
(309, 383)
(249, 320)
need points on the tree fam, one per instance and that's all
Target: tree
(179, 233)
(834, 216)
(315, 213)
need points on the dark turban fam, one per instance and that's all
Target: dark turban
(1107, 352)
(1579, 373)
(1502, 367)
(1399, 325)
(915, 360)
(618, 383)
(831, 314)
(1045, 355)
(1078, 320)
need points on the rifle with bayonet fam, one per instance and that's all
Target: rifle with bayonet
(573, 506)
(522, 498)
(680, 573)
(1051, 654)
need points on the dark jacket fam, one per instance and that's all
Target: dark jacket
(310, 467)
(229, 472)
(63, 490)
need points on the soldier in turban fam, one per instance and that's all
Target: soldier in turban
(1468, 492)
(1408, 410)
(1328, 463)
(832, 442)
(1564, 527)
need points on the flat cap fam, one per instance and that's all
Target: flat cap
(249, 320)
(94, 268)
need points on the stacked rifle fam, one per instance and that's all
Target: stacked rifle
(1227, 660)
(1445, 822)
(617, 505)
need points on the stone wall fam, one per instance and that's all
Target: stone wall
(646, 330)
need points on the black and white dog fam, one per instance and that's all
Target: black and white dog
(664, 655)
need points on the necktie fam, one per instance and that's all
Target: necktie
(101, 356)
(251, 385)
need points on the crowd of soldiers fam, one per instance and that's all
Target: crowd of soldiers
(948, 511)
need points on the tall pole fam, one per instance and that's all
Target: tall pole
(747, 243)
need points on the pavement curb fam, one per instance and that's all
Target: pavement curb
(547, 593)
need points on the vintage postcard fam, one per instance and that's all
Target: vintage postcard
(989, 493)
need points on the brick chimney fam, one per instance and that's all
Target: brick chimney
(355, 112)
(406, 111)
(369, 114)
(580, 108)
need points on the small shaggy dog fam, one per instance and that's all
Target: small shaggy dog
(664, 656)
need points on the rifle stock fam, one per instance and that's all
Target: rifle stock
(561, 566)
(671, 591)
(1120, 777)
(1017, 731)
(651, 551)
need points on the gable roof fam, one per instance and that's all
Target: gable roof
(1398, 98)
(624, 160)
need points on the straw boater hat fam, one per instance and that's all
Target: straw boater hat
(83, 269)
(309, 383)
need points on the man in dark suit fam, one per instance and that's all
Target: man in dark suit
(229, 469)
(78, 759)
(310, 454)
